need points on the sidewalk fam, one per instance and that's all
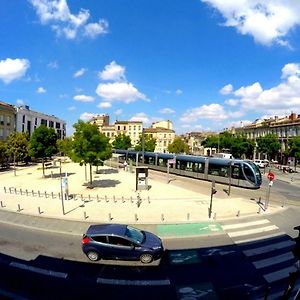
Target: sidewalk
(113, 199)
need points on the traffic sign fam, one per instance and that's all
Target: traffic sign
(271, 176)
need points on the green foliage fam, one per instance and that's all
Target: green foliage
(178, 146)
(65, 146)
(237, 145)
(294, 147)
(89, 146)
(268, 144)
(3, 155)
(17, 146)
(149, 143)
(42, 143)
(122, 141)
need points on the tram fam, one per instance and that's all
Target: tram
(241, 173)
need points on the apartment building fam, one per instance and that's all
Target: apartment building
(284, 127)
(131, 128)
(28, 120)
(7, 120)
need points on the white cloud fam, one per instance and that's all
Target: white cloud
(240, 123)
(12, 69)
(104, 105)
(290, 69)
(53, 65)
(141, 117)
(118, 112)
(280, 99)
(71, 108)
(119, 91)
(79, 73)
(113, 72)
(212, 111)
(167, 111)
(41, 90)
(267, 21)
(64, 23)
(87, 116)
(20, 102)
(94, 29)
(232, 102)
(227, 89)
(84, 98)
(178, 92)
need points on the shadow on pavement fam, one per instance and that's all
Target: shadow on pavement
(103, 183)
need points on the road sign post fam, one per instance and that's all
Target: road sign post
(213, 191)
(271, 177)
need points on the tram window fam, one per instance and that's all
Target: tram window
(151, 161)
(198, 168)
(236, 174)
(218, 170)
(249, 173)
(182, 165)
(189, 166)
(162, 162)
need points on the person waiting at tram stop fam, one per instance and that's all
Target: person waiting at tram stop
(125, 165)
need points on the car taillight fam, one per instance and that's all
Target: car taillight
(86, 240)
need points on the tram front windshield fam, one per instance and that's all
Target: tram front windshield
(252, 172)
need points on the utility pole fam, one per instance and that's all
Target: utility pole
(61, 189)
(143, 146)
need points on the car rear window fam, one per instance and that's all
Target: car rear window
(100, 238)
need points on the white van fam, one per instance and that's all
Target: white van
(224, 155)
(260, 163)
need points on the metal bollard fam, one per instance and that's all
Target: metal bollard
(238, 213)
(162, 217)
(259, 210)
(131, 199)
(148, 199)
(136, 217)
(123, 200)
(5, 190)
(2, 205)
(89, 197)
(106, 199)
(188, 216)
(215, 216)
(98, 198)
(26, 191)
(39, 210)
(39, 193)
(19, 208)
(32, 192)
(81, 197)
(16, 191)
(52, 195)
(20, 191)
(45, 194)
(84, 215)
(114, 197)
(109, 217)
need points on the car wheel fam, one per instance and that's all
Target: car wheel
(146, 258)
(93, 255)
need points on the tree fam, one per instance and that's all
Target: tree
(178, 146)
(122, 141)
(42, 144)
(3, 155)
(268, 144)
(149, 143)
(89, 146)
(211, 142)
(17, 147)
(294, 148)
(240, 146)
(65, 146)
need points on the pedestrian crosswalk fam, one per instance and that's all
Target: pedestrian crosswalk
(268, 249)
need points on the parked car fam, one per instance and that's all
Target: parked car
(261, 163)
(121, 242)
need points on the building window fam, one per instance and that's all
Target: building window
(44, 122)
(23, 119)
(129, 127)
(118, 127)
(140, 127)
(1, 131)
(8, 119)
(51, 124)
(57, 125)
(1, 120)
(35, 121)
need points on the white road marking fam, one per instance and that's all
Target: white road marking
(242, 225)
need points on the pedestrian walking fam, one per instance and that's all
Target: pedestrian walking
(125, 165)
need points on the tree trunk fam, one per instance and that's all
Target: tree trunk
(91, 177)
(43, 164)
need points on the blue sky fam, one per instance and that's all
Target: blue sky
(204, 64)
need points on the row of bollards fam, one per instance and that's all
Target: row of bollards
(89, 198)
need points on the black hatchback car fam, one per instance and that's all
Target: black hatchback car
(123, 242)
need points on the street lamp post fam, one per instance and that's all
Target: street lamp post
(143, 146)
(230, 176)
(61, 189)
(213, 191)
